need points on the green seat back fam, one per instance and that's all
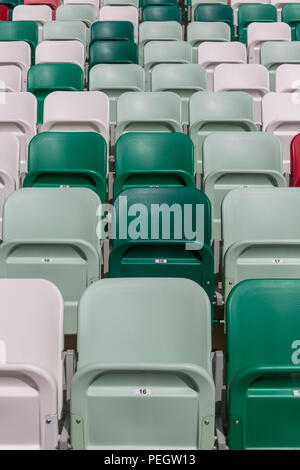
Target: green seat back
(263, 371)
(145, 3)
(253, 13)
(112, 31)
(161, 13)
(215, 13)
(113, 52)
(68, 159)
(159, 31)
(20, 31)
(42, 79)
(297, 32)
(290, 14)
(153, 159)
(81, 12)
(275, 53)
(65, 30)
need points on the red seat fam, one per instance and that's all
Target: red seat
(4, 13)
(53, 4)
(295, 155)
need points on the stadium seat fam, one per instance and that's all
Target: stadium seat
(198, 32)
(217, 112)
(287, 78)
(275, 53)
(18, 113)
(215, 13)
(259, 33)
(68, 159)
(211, 54)
(124, 356)
(40, 14)
(66, 31)
(183, 79)
(263, 381)
(134, 3)
(82, 12)
(145, 3)
(121, 13)
(195, 3)
(50, 233)
(10, 78)
(113, 52)
(252, 13)
(158, 31)
(60, 52)
(45, 78)
(112, 31)
(53, 4)
(281, 117)
(4, 13)
(235, 5)
(279, 4)
(115, 79)
(260, 232)
(152, 244)
(252, 78)
(83, 111)
(295, 154)
(291, 15)
(31, 364)
(162, 13)
(9, 168)
(238, 159)
(154, 159)
(297, 33)
(94, 3)
(148, 112)
(20, 31)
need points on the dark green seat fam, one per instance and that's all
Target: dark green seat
(297, 32)
(153, 237)
(290, 14)
(215, 13)
(20, 31)
(146, 159)
(76, 159)
(263, 366)
(250, 13)
(145, 3)
(112, 31)
(42, 79)
(113, 52)
(161, 13)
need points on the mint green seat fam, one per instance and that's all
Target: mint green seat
(161, 13)
(144, 376)
(183, 79)
(239, 159)
(263, 368)
(254, 13)
(115, 79)
(290, 14)
(20, 31)
(157, 31)
(75, 159)
(215, 13)
(42, 79)
(113, 52)
(154, 159)
(65, 31)
(201, 31)
(261, 234)
(50, 233)
(275, 53)
(148, 244)
(77, 12)
(112, 31)
(217, 112)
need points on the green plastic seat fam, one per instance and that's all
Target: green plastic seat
(150, 244)
(144, 376)
(76, 12)
(195, 3)
(42, 79)
(120, 3)
(20, 31)
(215, 13)
(65, 31)
(275, 53)
(253, 13)
(161, 13)
(297, 32)
(290, 14)
(261, 235)
(115, 79)
(239, 159)
(112, 31)
(145, 3)
(157, 31)
(183, 79)
(50, 233)
(200, 31)
(153, 159)
(217, 112)
(263, 368)
(113, 52)
(68, 159)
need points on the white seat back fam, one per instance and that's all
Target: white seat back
(16, 53)
(10, 78)
(60, 52)
(38, 13)
(258, 33)
(287, 78)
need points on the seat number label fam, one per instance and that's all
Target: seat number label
(297, 393)
(46, 260)
(161, 261)
(277, 261)
(142, 392)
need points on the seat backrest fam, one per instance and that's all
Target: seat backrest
(10, 78)
(178, 77)
(57, 52)
(159, 31)
(274, 53)
(290, 14)
(287, 78)
(20, 31)
(38, 13)
(16, 53)
(82, 12)
(121, 13)
(249, 13)
(236, 4)
(241, 77)
(117, 76)
(112, 30)
(167, 51)
(215, 13)
(118, 52)
(258, 33)
(4, 13)
(200, 31)
(161, 13)
(65, 30)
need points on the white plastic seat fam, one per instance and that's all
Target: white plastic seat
(38, 13)
(16, 53)
(235, 4)
(60, 52)
(77, 111)
(252, 78)
(121, 13)
(287, 78)
(31, 364)
(67, 31)
(10, 78)
(281, 117)
(258, 33)
(18, 115)
(203, 31)
(211, 54)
